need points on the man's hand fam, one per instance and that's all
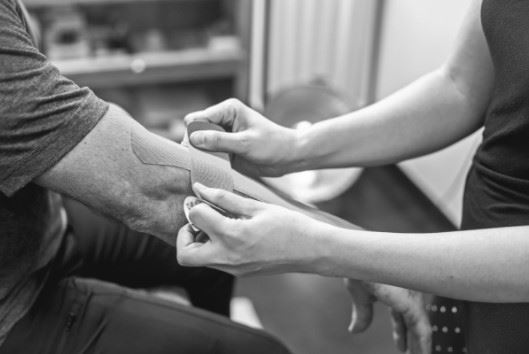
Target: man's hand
(263, 238)
(260, 147)
(411, 326)
(362, 307)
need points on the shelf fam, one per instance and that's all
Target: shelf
(139, 69)
(46, 3)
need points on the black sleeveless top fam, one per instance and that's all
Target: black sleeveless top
(497, 188)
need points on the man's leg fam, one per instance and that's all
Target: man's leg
(88, 316)
(106, 249)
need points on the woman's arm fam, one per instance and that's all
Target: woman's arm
(490, 265)
(435, 111)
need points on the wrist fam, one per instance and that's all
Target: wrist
(316, 254)
(299, 145)
(341, 253)
(288, 151)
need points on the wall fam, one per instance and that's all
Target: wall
(417, 36)
(327, 40)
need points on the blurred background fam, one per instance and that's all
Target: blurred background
(299, 61)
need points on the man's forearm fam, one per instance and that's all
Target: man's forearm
(103, 172)
(489, 265)
(425, 116)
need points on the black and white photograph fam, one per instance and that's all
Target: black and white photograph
(264, 176)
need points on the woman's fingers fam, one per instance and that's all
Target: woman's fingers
(227, 201)
(190, 253)
(213, 140)
(208, 220)
(224, 114)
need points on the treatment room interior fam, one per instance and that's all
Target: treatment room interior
(299, 61)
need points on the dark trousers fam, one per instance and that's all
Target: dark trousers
(88, 306)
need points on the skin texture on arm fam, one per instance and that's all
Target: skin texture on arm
(488, 265)
(103, 172)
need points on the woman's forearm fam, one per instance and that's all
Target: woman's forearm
(425, 116)
(489, 265)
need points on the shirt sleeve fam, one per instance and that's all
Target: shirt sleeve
(43, 115)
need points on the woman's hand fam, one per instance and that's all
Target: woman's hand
(259, 146)
(262, 238)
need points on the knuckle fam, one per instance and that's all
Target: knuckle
(233, 103)
(217, 195)
(234, 106)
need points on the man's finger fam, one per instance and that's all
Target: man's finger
(223, 114)
(188, 252)
(399, 331)
(213, 140)
(362, 311)
(228, 201)
(419, 334)
(419, 343)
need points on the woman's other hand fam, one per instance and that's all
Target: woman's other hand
(263, 238)
(259, 146)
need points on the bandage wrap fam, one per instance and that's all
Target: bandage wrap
(147, 149)
(214, 170)
(210, 169)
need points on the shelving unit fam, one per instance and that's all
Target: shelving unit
(157, 86)
(148, 68)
